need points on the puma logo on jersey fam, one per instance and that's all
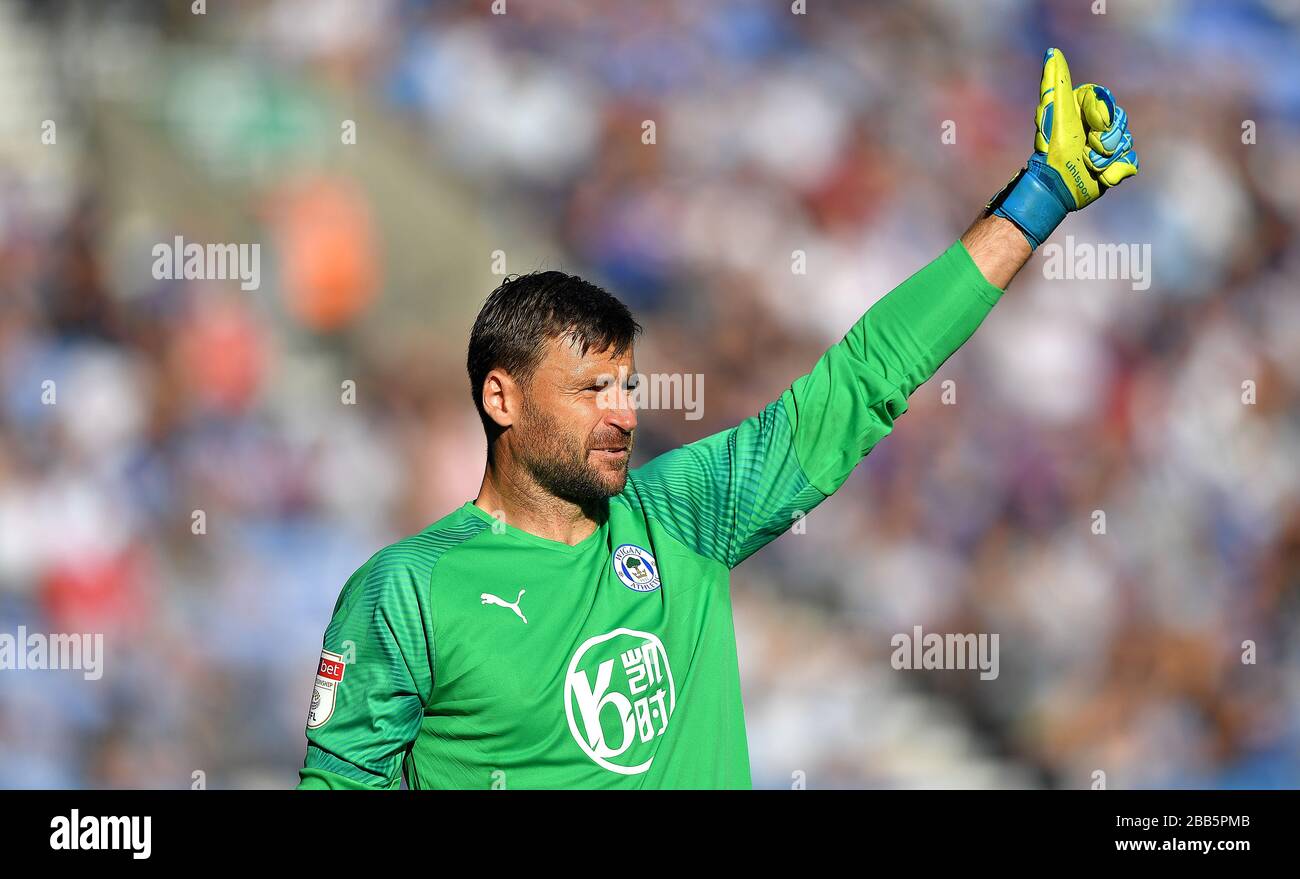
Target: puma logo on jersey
(489, 598)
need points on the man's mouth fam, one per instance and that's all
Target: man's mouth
(612, 453)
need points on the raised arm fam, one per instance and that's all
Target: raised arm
(729, 494)
(997, 248)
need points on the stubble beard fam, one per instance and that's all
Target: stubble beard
(559, 463)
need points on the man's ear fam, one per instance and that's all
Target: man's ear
(501, 398)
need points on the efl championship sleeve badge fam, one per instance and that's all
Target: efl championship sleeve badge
(328, 677)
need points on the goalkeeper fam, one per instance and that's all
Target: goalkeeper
(571, 626)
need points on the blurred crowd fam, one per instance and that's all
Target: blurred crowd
(180, 467)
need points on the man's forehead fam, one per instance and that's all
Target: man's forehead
(564, 355)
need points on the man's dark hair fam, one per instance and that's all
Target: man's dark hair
(526, 311)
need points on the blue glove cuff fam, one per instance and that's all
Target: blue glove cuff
(1035, 200)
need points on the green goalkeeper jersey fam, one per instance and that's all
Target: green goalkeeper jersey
(478, 655)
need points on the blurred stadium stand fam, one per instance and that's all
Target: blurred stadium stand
(522, 134)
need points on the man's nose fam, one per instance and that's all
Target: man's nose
(623, 416)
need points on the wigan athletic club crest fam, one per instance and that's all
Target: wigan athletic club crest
(328, 677)
(636, 568)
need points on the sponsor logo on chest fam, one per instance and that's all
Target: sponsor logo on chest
(618, 695)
